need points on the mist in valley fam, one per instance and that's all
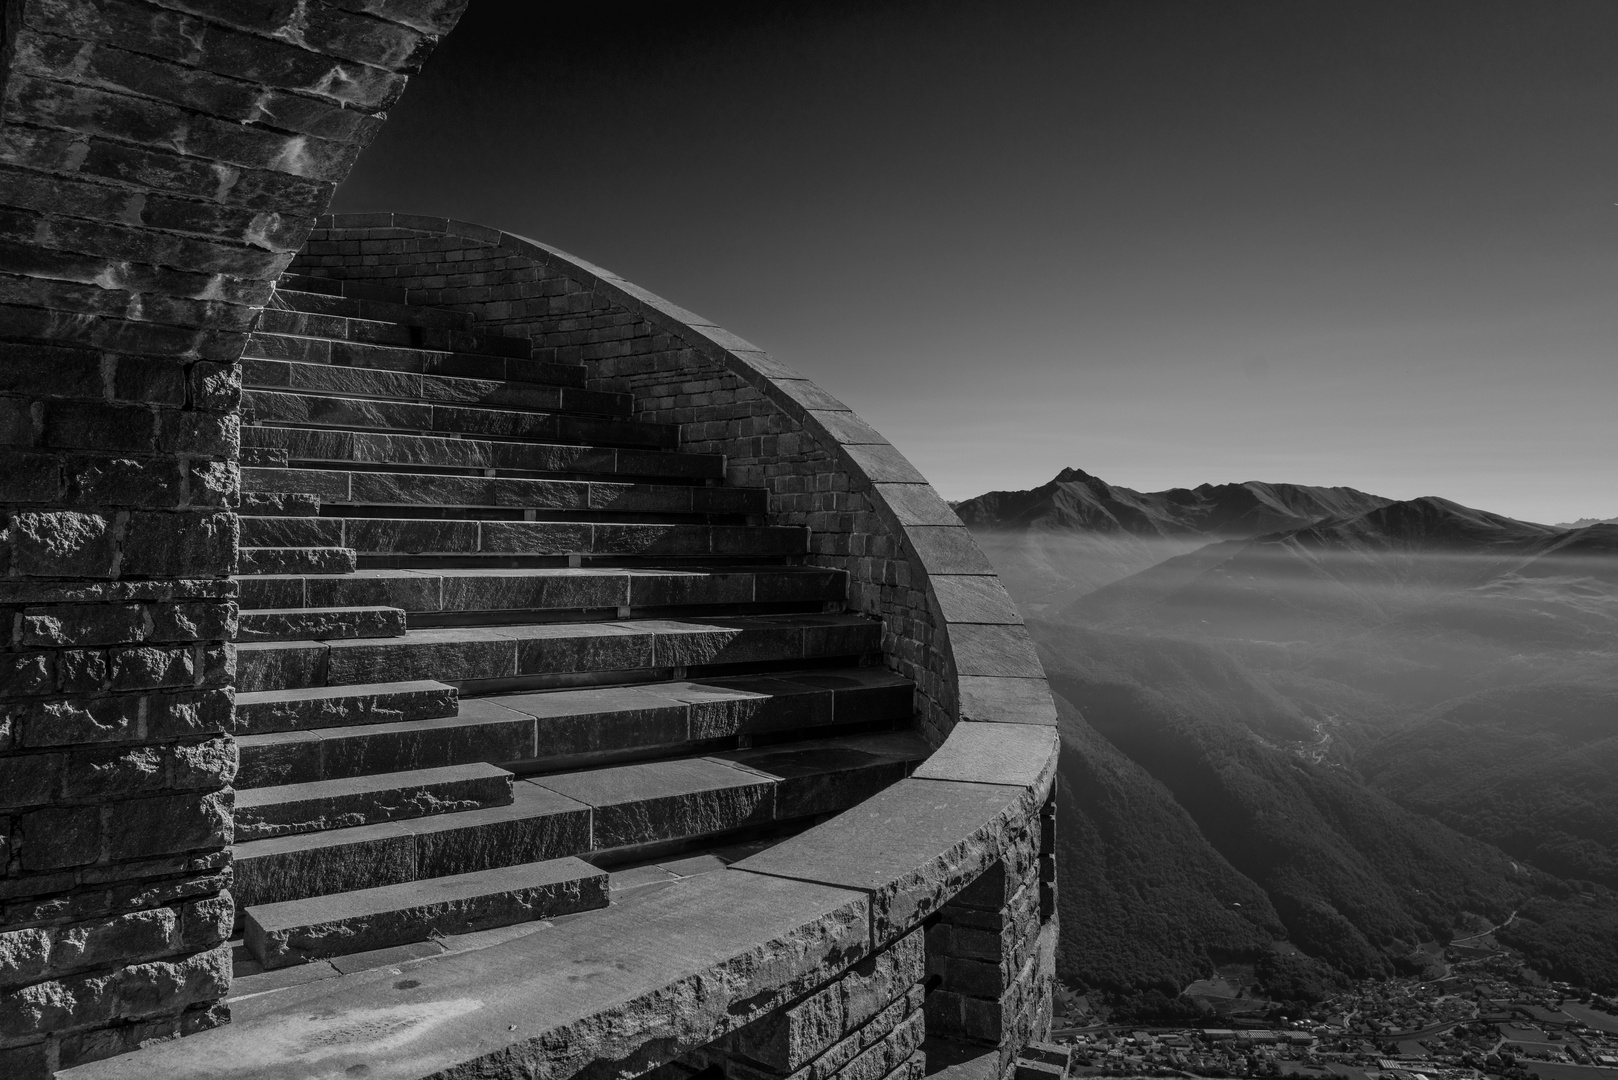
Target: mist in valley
(1352, 734)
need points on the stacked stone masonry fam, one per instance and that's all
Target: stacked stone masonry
(160, 163)
(870, 512)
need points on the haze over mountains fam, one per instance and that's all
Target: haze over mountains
(1317, 718)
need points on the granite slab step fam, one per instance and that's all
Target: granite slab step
(289, 809)
(657, 801)
(355, 307)
(277, 503)
(264, 711)
(314, 366)
(536, 825)
(826, 776)
(577, 723)
(475, 591)
(334, 487)
(296, 560)
(322, 623)
(304, 531)
(418, 417)
(480, 731)
(380, 332)
(478, 654)
(474, 536)
(580, 813)
(331, 446)
(298, 931)
(562, 725)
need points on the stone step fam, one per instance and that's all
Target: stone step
(306, 376)
(658, 801)
(446, 536)
(324, 623)
(318, 410)
(355, 369)
(265, 711)
(577, 723)
(289, 809)
(276, 503)
(402, 335)
(356, 307)
(536, 825)
(652, 802)
(298, 931)
(547, 589)
(296, 560)
(333, 488)
(562, 725)
(328, 446)
(308, 531)
(531, 654)
(481, 731)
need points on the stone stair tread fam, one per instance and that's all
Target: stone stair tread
(460, 654)
(365, 800)
(423, 590)
(302, 623)
(334, 445)
(604, 719)
(536, 825)
(492, 387)
(337, 487)
(293, 560)
(580, 812)
(439, 538)
(265, 711)
(479, 731)
(297, 931)
(504, 421)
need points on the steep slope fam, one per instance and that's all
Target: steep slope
(1355, 879)
(1145, 901)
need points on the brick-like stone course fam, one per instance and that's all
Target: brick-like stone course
(160, 162)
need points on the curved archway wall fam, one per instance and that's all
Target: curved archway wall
(160, 163)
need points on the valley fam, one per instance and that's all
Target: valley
(1314, 731)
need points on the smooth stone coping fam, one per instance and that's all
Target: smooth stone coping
(678, 965)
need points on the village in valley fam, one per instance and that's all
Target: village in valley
(1477, 1012)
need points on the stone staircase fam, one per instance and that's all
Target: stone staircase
(497, 638)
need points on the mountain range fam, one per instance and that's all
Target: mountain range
(1308, 729)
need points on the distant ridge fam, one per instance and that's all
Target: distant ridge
(1584, 522)
(1074, 499)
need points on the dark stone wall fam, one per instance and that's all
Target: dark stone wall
(160, 163)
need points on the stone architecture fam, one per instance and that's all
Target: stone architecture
(160, 163)
(439, 657)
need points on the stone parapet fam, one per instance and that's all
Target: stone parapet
(159, 165)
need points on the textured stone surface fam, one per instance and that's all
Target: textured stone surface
(343, 706)
(913, 846)
(301, 930)
(678, 967)
(363, 800)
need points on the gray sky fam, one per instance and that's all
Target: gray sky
(1365, 243)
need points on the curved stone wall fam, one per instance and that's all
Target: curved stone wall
(950, 626)
(972, 826)
(160, 163)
